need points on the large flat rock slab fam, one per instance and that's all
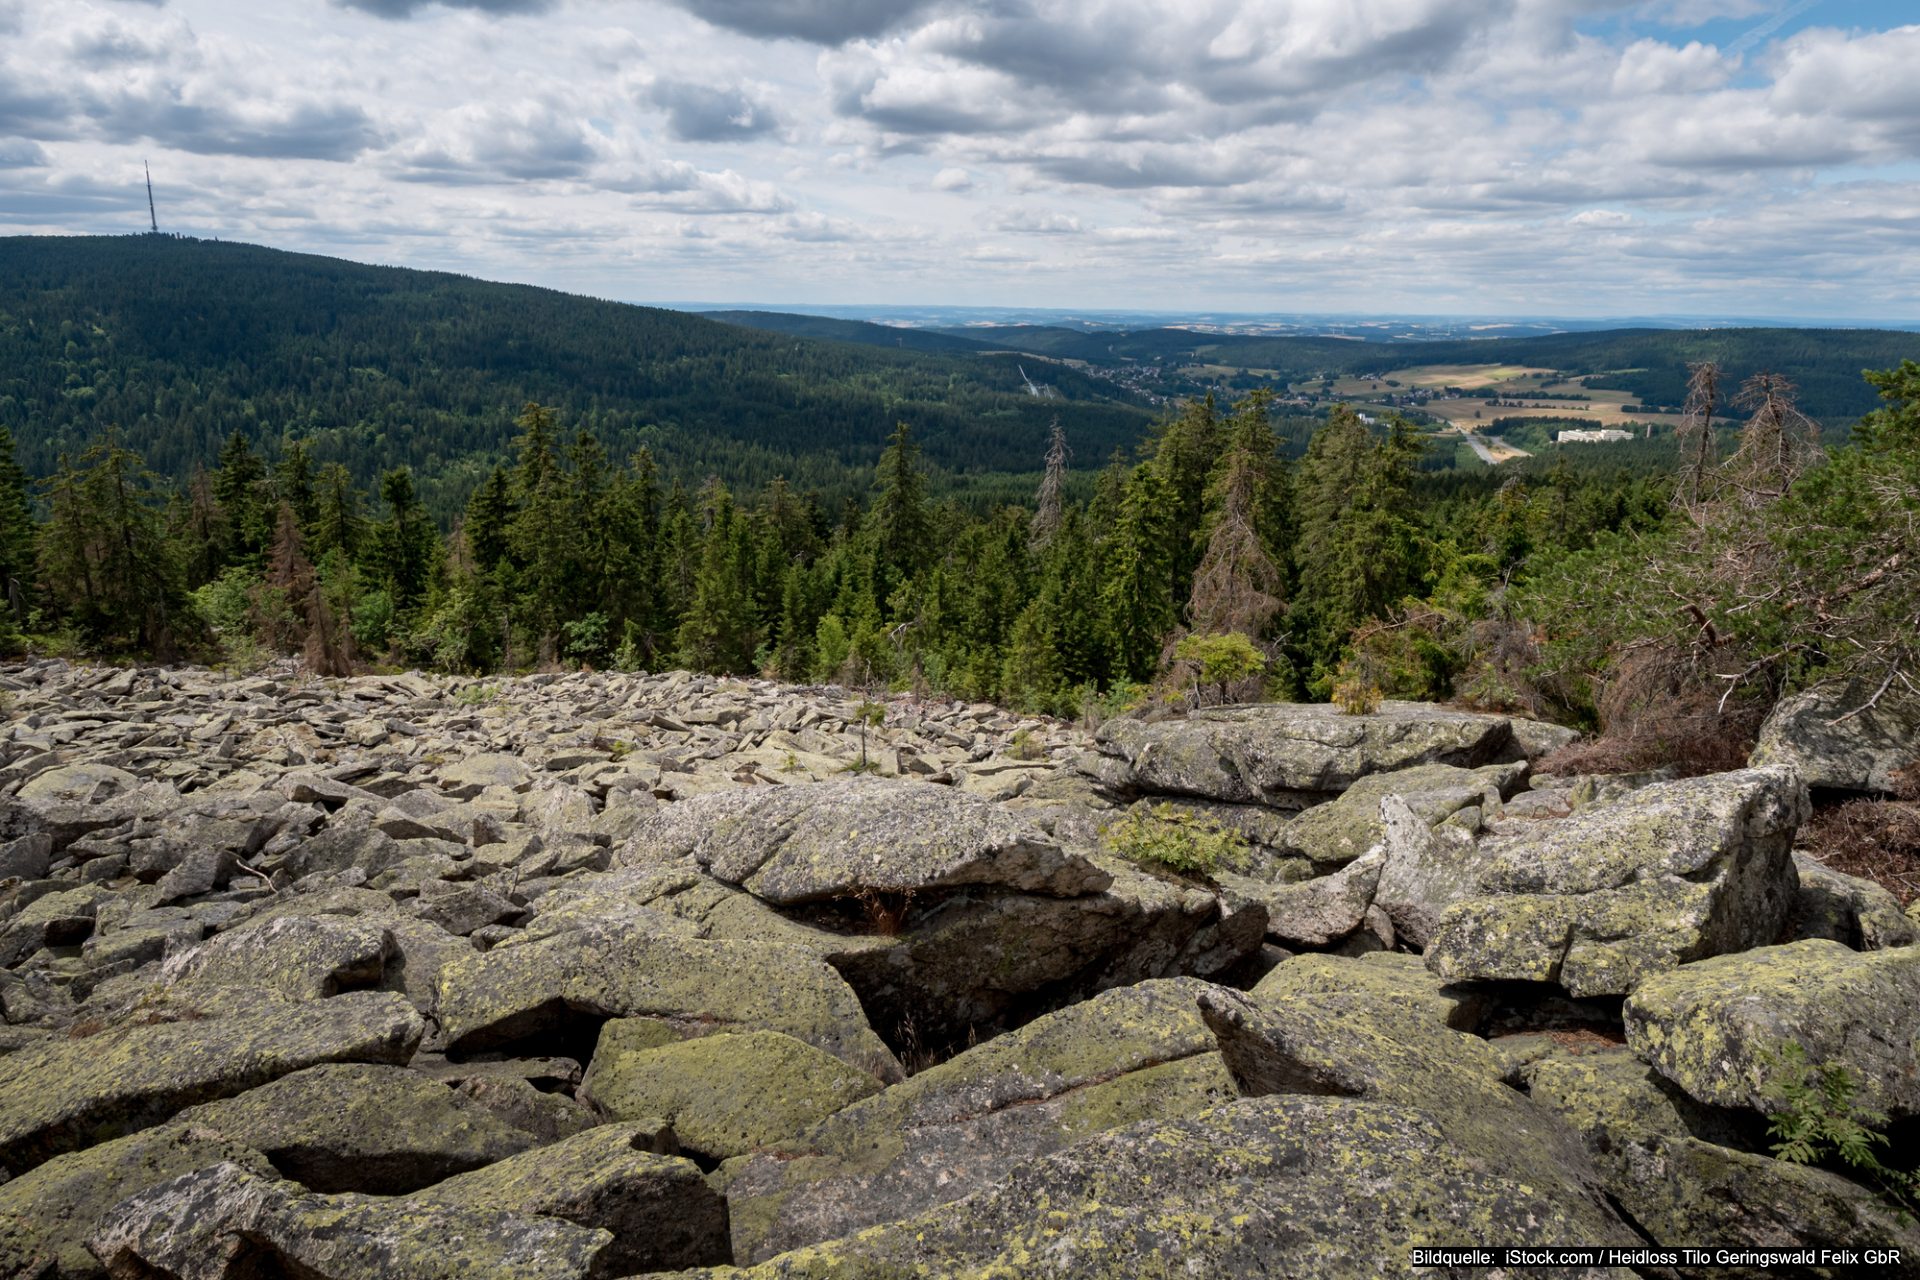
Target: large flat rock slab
(1687, 1172)
(1136, 1053)
(615, 969)
(1299, 1187)
(1365, 1042)
(223, 1221)
(1710, 1027)
(362, 1127)
(47, 1216)
(1833, 739)
(659, 1209)
(790, 845)
(70, 1094)
(724, 1095)
(1293, 755)
(1604, 899)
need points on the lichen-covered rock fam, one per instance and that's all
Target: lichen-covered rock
(1291, 755)
(59, 919)
(1846, 909)
(1825, 735)
(1374, 986)
(1364, 1044)
(725, 1095)
(619, 969)
(300, 957)
(472, 776)
(222, 1221)
(1341, 830)
(67, 1095)
(47, 1215)
(420, 949)
(1603, 900)
(1678, 1168)
(1302, 1188)
(79, 783)
(1710, 1027)
(461, 909)
(791, 845)
(549, 1117)
(360, 1127)
(367, 850)
(28, 857)
(1312, 913)
(1131, 1054)
(660, 1210)
(968, 963)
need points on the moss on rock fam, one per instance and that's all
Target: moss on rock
(1678, 1168)
(660, 1210)
(70, 1094)
(224, 1221)
(1304, 1188)
(725, 1095)
(361, 1127)
(1134, 1053)
(1709, 1027)
(47, 1215)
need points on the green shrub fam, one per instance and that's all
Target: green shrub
(1178, 841)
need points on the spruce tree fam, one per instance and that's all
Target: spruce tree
(898, 525)
(1137, 597)
(1237, 585)
(19, 535)
(544, 533)
(403, 546)
(1049, 502)
(1356, 549)
(293, 485)
(339, 525)
(489, 517)
(718, 631)
(105, 560)
(239, 486)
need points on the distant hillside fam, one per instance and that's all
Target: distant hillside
(1824, 363)
(867, 335)
(182, 341)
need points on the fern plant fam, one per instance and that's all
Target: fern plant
(1819, 1119)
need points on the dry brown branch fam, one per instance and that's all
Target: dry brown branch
(1049, 504)
(1696, 436)
(1878, 840)
(1777, 445)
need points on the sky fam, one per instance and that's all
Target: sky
(1480, 157)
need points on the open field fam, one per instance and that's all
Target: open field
(1501, 381)
(1467, 377)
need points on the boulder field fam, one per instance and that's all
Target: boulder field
(599, 975)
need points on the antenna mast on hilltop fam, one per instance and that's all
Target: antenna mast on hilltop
(155, 218)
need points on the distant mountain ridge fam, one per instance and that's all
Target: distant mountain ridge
(181, 342)
(1825, 364)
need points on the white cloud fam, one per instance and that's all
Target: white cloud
(1436, 154)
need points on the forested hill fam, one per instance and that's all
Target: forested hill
(182, 341)
(860, 331)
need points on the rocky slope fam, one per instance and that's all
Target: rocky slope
(605, 975)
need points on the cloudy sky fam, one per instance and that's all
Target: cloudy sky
(1556, 157)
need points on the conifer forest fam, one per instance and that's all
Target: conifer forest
(357, 490)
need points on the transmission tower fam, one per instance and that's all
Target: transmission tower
(151, 215)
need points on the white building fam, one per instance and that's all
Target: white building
(1608, 436)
